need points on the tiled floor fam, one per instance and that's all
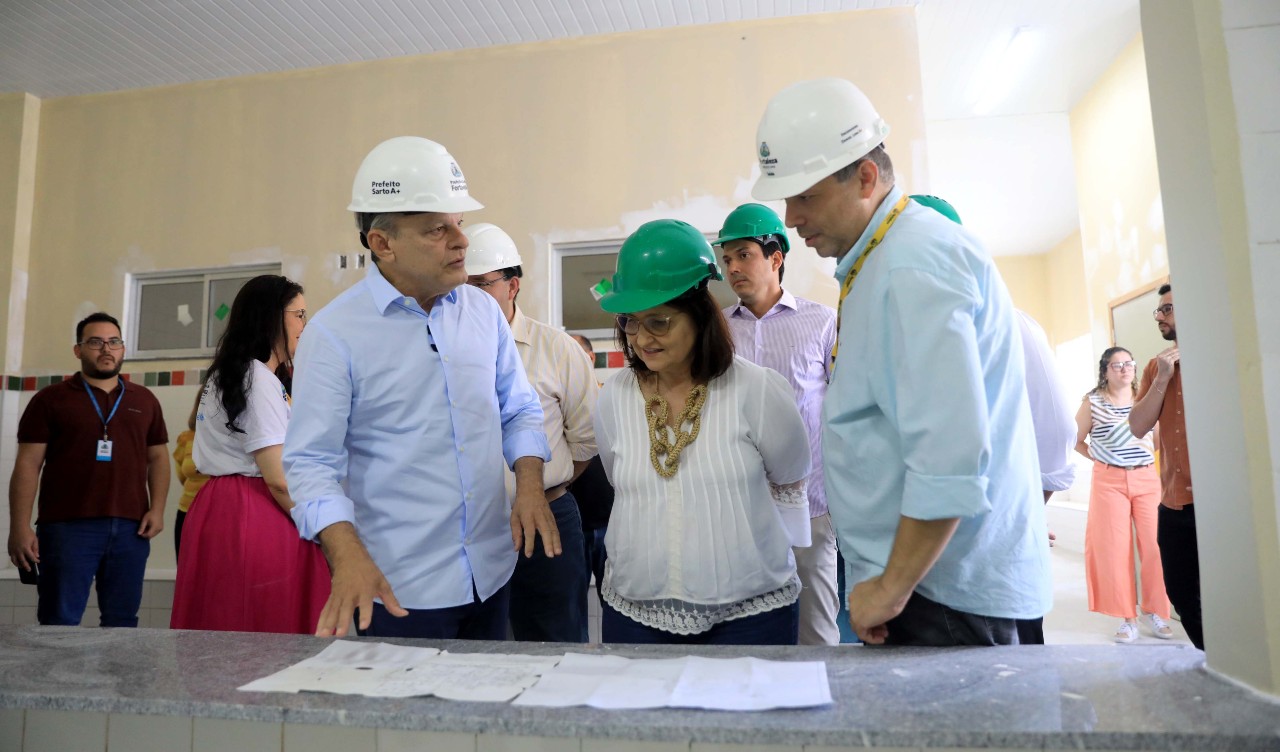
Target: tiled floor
(1069, 622)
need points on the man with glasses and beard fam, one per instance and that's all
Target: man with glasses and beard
(1160, 402)
(96, 447)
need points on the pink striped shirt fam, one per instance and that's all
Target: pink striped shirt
(794, 338)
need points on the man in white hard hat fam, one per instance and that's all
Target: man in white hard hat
(409, 395)
(793, 336)
(548, 595)
(932, 476)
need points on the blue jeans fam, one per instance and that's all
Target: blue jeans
(781, 626)
(478, 620)
(75, 553)
(549, 596)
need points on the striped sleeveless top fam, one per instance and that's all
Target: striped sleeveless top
(1110, 440)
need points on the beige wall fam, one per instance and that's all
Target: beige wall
(1068, 295)
(567, 140)
(1121, 219)
(1028, 283)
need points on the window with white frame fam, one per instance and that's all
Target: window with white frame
(181, 314)
(578, 267)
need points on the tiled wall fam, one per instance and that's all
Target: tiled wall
(12, 383)
(18, 606)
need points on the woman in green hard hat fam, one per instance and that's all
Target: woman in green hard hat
(707, 455)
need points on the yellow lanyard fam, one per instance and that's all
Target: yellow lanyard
(872, 244)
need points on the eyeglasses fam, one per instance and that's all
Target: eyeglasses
(655, 325)
(1123, 365)
(97, 343)
(302, 313)
(1163, 310)
(489, 282)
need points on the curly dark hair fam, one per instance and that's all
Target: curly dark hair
(1105, 361)
(254, 328)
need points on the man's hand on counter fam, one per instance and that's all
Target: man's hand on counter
(356, 582)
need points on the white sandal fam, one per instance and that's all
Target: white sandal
(1159, 627)
(1128, 632)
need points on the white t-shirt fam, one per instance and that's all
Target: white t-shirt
(704, 545)
(219, 451)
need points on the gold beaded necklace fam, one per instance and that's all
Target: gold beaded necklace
(664, 453)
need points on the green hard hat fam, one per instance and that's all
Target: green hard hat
(940, 205)
(754, 221)
(660, 261)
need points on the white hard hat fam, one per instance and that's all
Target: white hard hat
(410, 174)
(809, 131)
(490, 249)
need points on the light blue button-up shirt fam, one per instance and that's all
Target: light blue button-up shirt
(927, 417)
(402, 420)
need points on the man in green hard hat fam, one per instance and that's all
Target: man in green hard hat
(793, 336)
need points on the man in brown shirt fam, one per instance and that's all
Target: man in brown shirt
(96, 447)
(1160, 401)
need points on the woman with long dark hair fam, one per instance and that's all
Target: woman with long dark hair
(1123, 500)
(708, 457)
(245, 568)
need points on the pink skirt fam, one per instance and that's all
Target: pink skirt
(244, 568)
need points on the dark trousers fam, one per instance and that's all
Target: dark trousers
(1031, 631)
(76, 553)
(596, 556)
(478, 620)
(177, 533)
(549, 595)
(929, 623)
(781, 626)
(1179, 554)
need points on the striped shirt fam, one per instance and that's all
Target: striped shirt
(794, 338)
(712, 542)
(563, 377)
(1110, 440)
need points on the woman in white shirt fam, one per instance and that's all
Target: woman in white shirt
(243, 566)
(707, 455)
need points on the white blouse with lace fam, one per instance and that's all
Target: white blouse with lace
(713, 542)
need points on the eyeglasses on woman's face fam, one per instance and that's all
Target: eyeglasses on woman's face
(1163, 310)
(97, 343)
(655, 325)
(1123, 365)
(301, 313)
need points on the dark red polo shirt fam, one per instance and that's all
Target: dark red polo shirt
(74, 485)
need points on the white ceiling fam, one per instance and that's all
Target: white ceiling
(53, 48)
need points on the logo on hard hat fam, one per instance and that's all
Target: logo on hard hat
(764, 149)
(453, 167)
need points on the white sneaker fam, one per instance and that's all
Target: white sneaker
(1159, 628)
(1127, 632)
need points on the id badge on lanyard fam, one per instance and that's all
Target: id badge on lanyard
(105, 444)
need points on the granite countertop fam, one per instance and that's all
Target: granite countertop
(1130, 697)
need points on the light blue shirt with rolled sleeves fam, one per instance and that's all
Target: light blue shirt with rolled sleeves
(927, 417)
(402, 421)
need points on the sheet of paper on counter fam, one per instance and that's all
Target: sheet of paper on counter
(377, 669)
(613, 682)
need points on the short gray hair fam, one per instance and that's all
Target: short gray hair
(877, 155)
